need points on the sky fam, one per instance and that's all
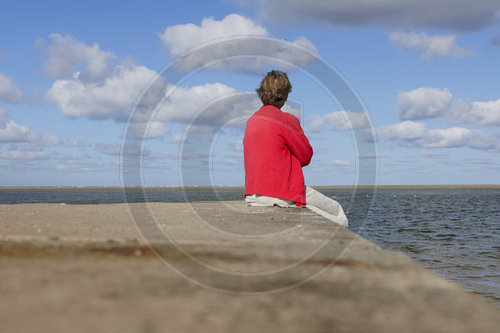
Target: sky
(156, 93)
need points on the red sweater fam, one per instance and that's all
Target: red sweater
(275, 150)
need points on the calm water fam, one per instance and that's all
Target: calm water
(454, 232)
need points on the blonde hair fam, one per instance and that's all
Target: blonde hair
(274, 88)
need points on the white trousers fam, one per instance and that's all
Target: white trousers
(315, 201)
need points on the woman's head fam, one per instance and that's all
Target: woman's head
(274, 88)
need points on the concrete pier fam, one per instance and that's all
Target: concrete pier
(213, 267)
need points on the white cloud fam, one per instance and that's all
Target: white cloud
(480, 113)
(11, 132)
(428, 102)
(80, 167)
(4, 117)
(64, 55)
(340, 163)
(414, 134)
(183, 37)
(150, 130)
(370, 156)
(431, 47)
(74, 142)
(405, 131)
(339, 121)
(209, 106)
(112, 98)
(440, 14)
(293, 111)
(50, 140)
(70, 163)
(100, 89)
(183, 103)
(232, 36)
(460, 137)
(235, 146)
(109, 148)
(369, 135)
(316, 123)
(114, 149)
(177, 138)
(423, 103)
(20, 155)
(9, 92)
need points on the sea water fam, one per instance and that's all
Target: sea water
(454, 232)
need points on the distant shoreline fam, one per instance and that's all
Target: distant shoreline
(340, 187)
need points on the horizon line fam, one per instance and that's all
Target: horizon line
(428, 186)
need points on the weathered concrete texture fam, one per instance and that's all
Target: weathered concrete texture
(215, 267)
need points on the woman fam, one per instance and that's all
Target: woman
(275, 150)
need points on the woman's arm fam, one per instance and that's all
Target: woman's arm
(297, 141)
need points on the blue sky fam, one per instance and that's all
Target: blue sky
(427, 75)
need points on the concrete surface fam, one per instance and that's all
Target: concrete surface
(215, 267)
